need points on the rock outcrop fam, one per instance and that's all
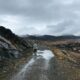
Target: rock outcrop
(7, 50)
(17, 41)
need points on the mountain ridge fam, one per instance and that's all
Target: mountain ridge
(52, 37)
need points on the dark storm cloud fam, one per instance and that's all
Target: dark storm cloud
(36, 16)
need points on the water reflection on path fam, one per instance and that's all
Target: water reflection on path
(36, 68)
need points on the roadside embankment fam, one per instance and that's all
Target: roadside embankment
(65, 54)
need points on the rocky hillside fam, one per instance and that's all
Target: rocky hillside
(17, 41)
(12, 43)
(12, 49)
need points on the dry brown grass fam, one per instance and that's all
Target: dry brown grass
(68, 55)
(58, 53)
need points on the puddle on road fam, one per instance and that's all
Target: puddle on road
(46, 54)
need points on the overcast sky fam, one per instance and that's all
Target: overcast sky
(54, 17)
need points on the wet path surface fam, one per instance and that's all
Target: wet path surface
(37, 68)
(45, 66)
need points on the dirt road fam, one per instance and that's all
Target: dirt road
(37, 68)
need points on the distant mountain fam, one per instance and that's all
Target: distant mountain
(50, 37)
(65, 37)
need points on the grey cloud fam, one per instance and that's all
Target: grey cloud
(44, 12)
(65, 27)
